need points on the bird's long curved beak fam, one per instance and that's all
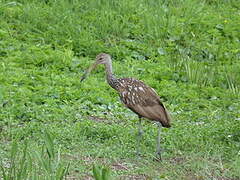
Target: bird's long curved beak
(88, 71)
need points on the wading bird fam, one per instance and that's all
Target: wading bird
(137, 96)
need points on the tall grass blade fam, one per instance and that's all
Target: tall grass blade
(62, 171)
(97, 173)
(3, 172)
(106, 174)
(22, 172)
(43, 162)
(49, 144)
(13, 156)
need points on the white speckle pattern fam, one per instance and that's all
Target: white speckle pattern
(133, 101)
(124, 93)
(154, 90)
(141, 89)
(134, 92)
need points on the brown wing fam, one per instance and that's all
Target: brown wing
(143, 100)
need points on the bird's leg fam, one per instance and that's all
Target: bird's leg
(159, 157)
(139, 135)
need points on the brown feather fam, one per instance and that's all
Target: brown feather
(143, 100)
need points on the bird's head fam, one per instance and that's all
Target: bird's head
(101, 58)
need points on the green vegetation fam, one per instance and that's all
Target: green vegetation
(53, 126)
(31, 164)
(101, 173)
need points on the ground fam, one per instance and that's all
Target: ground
(55, 126)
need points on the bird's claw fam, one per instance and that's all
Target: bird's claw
(158, 157)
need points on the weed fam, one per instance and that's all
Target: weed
(101, 173)
(33, 164)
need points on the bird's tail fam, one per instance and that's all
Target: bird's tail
(167, 119)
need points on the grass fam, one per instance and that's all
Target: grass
(33, 164)
(53, 126)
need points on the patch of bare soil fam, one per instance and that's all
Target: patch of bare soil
(104, 120)
(177, 160)
(97, 119)
(225, 178)
(134, 177)
(191, 177)
(114, 166)
(119, 166)
(87, 177)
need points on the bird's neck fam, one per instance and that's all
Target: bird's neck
(110, 76)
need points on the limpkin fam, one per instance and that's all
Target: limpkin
(137, 96)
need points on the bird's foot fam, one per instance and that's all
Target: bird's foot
(138, 155)
(158, 156)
